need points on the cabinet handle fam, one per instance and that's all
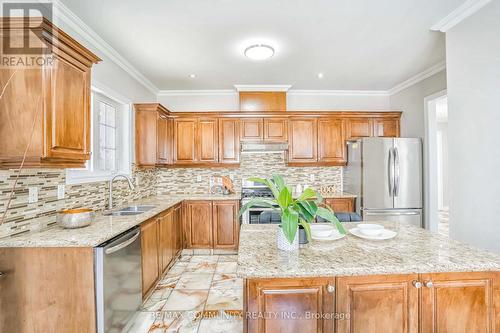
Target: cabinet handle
(417, 284)
(330, 289)
(429, 284)
(2, 275)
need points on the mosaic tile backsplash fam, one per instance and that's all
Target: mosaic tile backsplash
(23, 216)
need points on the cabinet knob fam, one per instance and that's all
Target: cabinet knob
(2, 275)
(429, 284)
(417, 284)
(330, 289)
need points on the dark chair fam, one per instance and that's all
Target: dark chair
(343, 217)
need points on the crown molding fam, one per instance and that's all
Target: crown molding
(459, 14)
(207, 92)
(298, 92)
(439, 67)
(262, 87)
(64, 14)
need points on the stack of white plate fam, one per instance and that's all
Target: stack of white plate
(372, 232)
(325, 232)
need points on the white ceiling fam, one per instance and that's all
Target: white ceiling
(357, 44)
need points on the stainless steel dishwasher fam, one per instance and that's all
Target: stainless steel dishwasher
(118, 281)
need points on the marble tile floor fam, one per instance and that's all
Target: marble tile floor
(199, 294)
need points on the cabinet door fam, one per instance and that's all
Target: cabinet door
(207, 138)
(341, 204)
(331, 141)
(68, 113)
(386, 127)
(146, 126)
(306, 300)
(164, 140)
(149, 249)
(303, 140)
(226, 226)
(359, 128)
(229, 141)
(252, 129)
(166, 250)
(380, 303)
(461, 302)
(177, 233)
(185, 141)
(275, 129)
(198, 225)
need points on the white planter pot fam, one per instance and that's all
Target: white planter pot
(283, 243)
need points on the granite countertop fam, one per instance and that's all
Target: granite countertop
(104, 227)
(413, 250)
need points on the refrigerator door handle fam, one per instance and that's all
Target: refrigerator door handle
(397, 172)
(390, 171)
(392, 214)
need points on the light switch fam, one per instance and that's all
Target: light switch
(198, 178)
(61, 191)
(32, 194)
(312, 177)
(231, 176)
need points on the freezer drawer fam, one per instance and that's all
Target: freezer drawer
(404, 216)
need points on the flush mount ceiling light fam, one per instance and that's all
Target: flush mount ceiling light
(259, 52)
(192, 76)
(320, 75)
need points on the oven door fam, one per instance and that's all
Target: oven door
(258, 215)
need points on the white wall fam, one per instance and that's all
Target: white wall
(411, 101)
(473, 61)
(229, 101)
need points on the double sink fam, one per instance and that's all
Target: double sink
(130, 210)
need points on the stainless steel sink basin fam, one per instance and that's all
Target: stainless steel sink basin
(122, 213)
(138, 208)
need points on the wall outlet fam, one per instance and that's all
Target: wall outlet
(32, 194)
(198, 178)
(61, 191)
(312, 177)
(136, 180)
(231, 176)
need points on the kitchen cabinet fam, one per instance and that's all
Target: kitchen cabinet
(150, 254)
(263, 101)
(229, 141)
(252, 129)
(177, 235)
(341, 205)
(290, 297)
(185, 139)
(275, 129)
(46, 109)
(331, 141)
(153, 135)
(302, 140)
(166, 230)
(386, 127)
(226, 227)
(380, 303)
(359, 128)
(207, 140)
(198, 225)
(461, 302)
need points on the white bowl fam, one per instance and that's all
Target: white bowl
(370, 229)
(321, 231)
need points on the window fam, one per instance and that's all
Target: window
(110, 140)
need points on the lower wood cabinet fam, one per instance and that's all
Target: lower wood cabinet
(341, 205)
(291, 305)
(211, 224)
(381, 303)
(150, 255)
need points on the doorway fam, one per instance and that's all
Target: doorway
(436, 164)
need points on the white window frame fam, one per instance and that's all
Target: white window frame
(123, 141)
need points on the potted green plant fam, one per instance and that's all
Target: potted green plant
(293, 211)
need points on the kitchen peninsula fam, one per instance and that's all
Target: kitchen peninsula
(418, 281)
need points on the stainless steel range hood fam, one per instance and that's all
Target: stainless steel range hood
(263, 146)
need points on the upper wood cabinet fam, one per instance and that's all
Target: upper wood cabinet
(331, 141)
(185, 140)
(226, 227)
(276, 129)
(153, 135)
(262, 101)
(311, 301)
(198, 224)
(229, 141)
(302, 140)
(252, 129)
(461, 302)
(359, 128)
(46, 109)
(365, 298)
(208, 140)
(386, 127)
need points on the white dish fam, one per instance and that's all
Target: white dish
(386, 234)
(321, 231)
(369, 229)
(334, 236)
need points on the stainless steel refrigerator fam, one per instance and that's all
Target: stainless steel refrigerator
(386, 175)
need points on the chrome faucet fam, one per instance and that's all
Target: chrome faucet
(130, 185)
